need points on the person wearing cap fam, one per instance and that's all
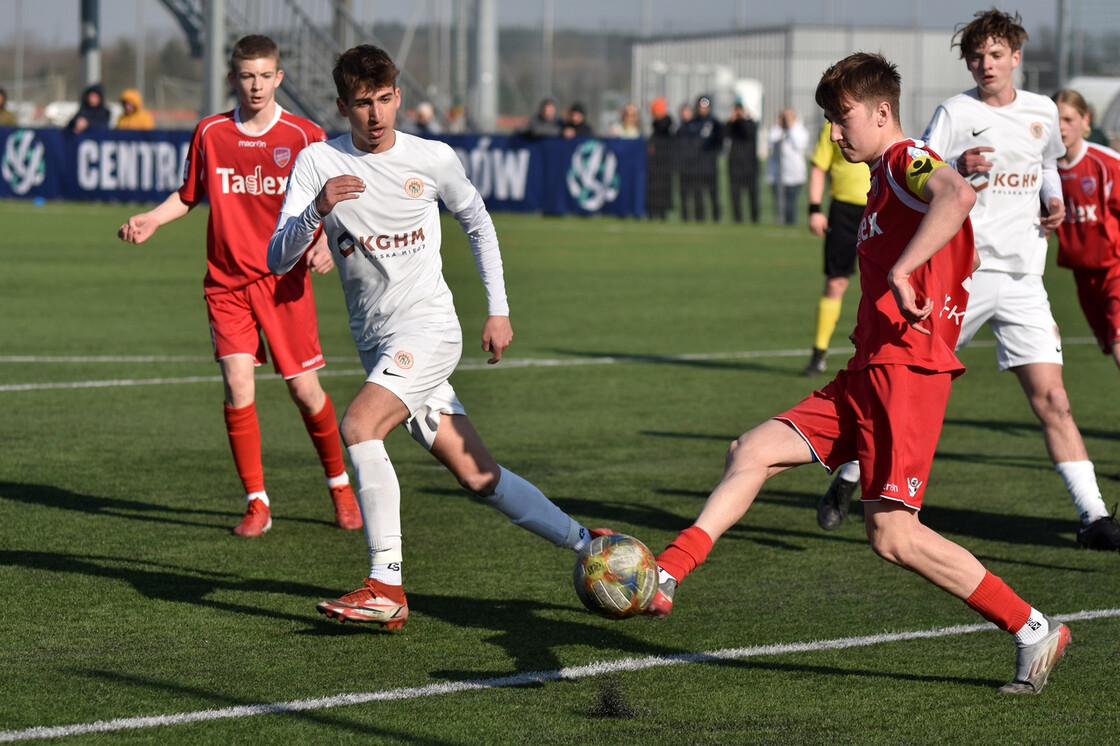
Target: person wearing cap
(705, 140)
(135, 116)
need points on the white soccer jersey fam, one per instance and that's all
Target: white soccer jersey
(386, 243)
(1027, 141)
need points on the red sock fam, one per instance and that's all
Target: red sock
(323, 429)
(687, 551)
(995, 601)
(245, 442)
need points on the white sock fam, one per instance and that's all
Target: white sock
(1034, 630)
(849, 472)
(339, 481)
(256, 496)
(379, 498)
(1081, 481)
(389, 574)
(527, 507)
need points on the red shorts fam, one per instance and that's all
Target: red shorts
(888, 417)
(283, 308)
(1099, 293)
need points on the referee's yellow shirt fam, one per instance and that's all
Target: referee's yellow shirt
(847, 182)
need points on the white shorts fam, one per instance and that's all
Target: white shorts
(415, 365)
(1017, 309)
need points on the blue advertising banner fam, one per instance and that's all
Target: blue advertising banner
(583, 176)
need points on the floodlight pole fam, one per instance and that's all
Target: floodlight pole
(486, 116)
(214, 73)
(90, 42)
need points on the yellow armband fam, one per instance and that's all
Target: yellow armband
(918, 173)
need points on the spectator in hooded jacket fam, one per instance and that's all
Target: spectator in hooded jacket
(92, 114)
(135, 116)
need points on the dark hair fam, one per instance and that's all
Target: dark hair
(254, 47)
(364, 66)
(990, 24)
(860, 78)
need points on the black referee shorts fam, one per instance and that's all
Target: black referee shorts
(840, 241)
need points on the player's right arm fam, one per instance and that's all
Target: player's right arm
(140, 228)
(950, 199)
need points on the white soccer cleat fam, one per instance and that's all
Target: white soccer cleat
(1035, 662)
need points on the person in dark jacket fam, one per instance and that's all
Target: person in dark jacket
(703, 139)
(93, 114)
(742, 162)
(659, 165)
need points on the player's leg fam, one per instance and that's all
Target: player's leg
(1028, 343)
(244, 433)
(459, 447)
(768, 449)
(284, 307)
(369, 418)
(899, 537)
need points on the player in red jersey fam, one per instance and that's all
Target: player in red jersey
(1089, 237)
(916, 258)
(240, 160)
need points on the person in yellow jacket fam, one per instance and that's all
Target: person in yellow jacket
(848, 187)
(135, 116)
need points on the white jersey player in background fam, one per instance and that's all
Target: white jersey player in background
(375, 191)
(1006, 142)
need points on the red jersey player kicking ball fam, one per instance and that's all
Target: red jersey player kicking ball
(240, 160)
(916, 258)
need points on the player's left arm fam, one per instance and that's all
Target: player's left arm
(1053, 206)
(950, 199)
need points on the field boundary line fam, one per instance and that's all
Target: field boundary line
(466, 365)
(522, 679)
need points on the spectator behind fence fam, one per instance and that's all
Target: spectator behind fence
(742, 162)
(7, 118)
(628, 127)
(789, 144)
(686, 157)
(135, 116)
(92, 114)
(426, 122)
(703, 136)
(575, 123)
(545, 123)
(659, 164)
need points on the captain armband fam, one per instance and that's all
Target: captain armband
(919, 171)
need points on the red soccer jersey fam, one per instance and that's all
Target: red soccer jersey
(244, 175)
(894, 210)
(1089, 237)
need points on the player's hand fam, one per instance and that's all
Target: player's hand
(1054, 214)
(338, 189)
(972, 161)
(907, 301)
(138, 229)
(818, 223)
(319, 259)
(497, 333)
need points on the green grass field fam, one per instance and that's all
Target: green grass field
(125, 599)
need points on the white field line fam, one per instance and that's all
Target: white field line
(522, 679)
(466, 365)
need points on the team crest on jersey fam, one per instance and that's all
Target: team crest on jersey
(414, 187)
(282, 156)
(1036, 130)
(403, 359)
(1089, 185)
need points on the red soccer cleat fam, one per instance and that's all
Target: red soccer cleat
(257, 520)
(370, 603)
(347, 514)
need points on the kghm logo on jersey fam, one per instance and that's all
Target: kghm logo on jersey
(23, 164)
(281, 156)
(414, 187)
(1036, 130)
(403, 359)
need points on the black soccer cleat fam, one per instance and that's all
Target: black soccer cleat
(1102, 534)
(817, 363)
(833, 506)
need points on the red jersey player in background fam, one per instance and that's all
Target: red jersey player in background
(916, 258)
(1089, 237)
(240, 160)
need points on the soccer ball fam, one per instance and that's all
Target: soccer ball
(616, 576)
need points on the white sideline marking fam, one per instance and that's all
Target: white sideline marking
(464, 365)
(521, 679)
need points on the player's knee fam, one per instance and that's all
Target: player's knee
(1054, 404)
(887, 545)
(479, 481)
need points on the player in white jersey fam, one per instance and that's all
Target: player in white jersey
(375, 192)
(1007, 142)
